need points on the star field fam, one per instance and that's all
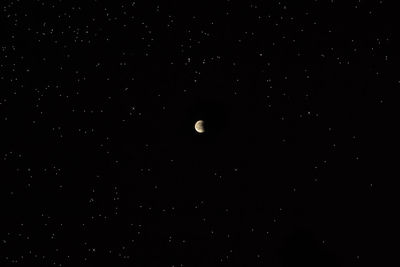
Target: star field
(100, 164)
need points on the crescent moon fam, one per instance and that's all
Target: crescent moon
(199, 126)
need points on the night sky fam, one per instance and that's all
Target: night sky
(100, 163)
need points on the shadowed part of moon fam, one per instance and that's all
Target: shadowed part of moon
(199, 126)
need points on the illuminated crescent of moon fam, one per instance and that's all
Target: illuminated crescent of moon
(199, 126)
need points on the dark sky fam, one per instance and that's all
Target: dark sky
(100, 163)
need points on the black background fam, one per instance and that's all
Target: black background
(101, 164)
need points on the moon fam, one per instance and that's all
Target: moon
(199, 126)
